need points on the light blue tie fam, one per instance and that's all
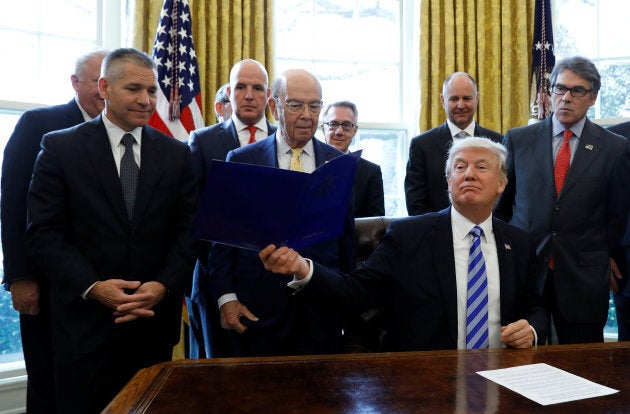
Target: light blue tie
(477, 295)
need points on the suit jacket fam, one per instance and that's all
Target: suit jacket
(17, 169)
(369, 200)
(207, 144)
(412, 274)
(579, 227)
(622, 129)
(240, 271)
(425, 182)
(79, 233)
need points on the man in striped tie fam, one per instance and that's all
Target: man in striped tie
(455, 279)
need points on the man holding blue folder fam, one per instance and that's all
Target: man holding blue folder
(254, 302)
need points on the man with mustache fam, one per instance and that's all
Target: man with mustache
(568, 182)
(425, 185)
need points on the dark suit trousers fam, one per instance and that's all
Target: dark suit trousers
(568, 332)
(38, 357)
(86, 383)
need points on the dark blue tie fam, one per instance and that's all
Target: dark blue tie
(477, 295)
(129, 173)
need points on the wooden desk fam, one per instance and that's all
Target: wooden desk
(412, 382)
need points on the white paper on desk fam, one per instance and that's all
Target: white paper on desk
(545, 384)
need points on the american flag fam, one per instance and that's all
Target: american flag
(543, 57)
(179, 95)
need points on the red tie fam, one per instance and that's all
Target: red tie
(563, 160)
(252, 133)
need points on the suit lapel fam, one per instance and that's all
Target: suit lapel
(586, 151)
(150, 172)
(99, 151)
(443, 259)
(506, 264)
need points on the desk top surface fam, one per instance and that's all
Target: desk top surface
(410, 382)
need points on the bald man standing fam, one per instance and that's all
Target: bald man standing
(254, 304)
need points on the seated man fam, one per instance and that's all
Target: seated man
(458, 278)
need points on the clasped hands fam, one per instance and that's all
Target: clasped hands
(128, 306)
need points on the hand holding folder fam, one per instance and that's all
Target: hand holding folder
(251, 206)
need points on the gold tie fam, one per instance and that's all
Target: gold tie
(296, 163)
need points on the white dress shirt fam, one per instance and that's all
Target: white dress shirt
(462, 239)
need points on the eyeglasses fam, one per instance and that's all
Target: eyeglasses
(297, 107)
(576, 91)
(346, 126)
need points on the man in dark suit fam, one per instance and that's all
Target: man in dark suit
(339, 125)
(110, 207)
(621, 255)
(248, 90)
(28, 287)
(252, 301)
(421, 273)
(567, 187)
(425, 185)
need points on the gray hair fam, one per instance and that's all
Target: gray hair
(482, 143)
(455, 74)
(83, 60)
(582, 67)
(342, 104)
(111, 67)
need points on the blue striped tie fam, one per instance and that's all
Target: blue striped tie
(477, 295)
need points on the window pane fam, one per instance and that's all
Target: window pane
(312, 35)
(43, 47)
(383, 147)
(597, 37)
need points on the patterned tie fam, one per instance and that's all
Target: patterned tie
(477, 295)
(128, 173)
(296, 162)
(563, 161)
(252, 133)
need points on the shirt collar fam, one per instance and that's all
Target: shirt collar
(577, 128)
(284, 148)
(461, 225)
(115, 133)
(239, 125)
(470, 129)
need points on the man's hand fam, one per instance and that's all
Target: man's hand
(517, 334)
(141, 303)
(284, 260)
(231, 313)
(128, 307)
(25, 296)
(614, 275)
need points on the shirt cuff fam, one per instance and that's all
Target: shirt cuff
(86, 291)
(228, 297)
(535, 336)
(298, 284)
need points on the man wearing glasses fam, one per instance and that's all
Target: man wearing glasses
(253, 302)
(567, 186)
(222, 105)
(340, 126)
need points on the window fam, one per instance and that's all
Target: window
(40, 47)
(355, 48)
(591, 28)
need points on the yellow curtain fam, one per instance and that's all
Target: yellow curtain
(224, 32)
(491, 40)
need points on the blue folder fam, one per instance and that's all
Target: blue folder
(251, 206)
